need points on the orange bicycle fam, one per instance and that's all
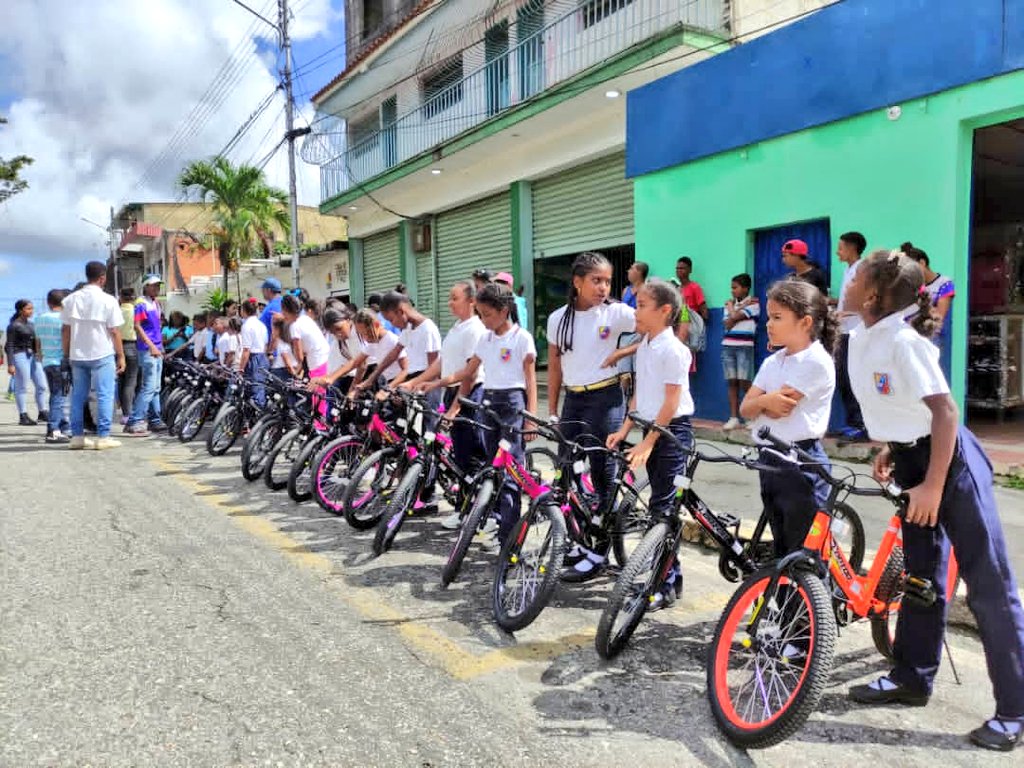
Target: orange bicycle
(772, 651)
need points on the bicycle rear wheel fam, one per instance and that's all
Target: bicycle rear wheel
(479, 508)
(529, 566)
(300, 478)
(852, 540)
(889, 591)
(632, 519)
(628, 602)
(225, 431)
(398, 508)
(763, 688)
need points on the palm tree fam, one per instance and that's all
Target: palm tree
(245, 207)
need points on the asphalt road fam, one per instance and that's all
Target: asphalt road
(159, 610)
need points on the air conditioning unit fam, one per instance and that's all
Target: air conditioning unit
(421, 238)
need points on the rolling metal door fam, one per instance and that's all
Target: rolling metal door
(381, 270)
(585, 208)
(426, 291)
(476, 236)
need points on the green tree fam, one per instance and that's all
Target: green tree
(11, 182)
(245, 208)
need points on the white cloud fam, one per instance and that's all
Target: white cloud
(5, 266)
(103, 91)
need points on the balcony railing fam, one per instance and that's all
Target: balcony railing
(588, 33)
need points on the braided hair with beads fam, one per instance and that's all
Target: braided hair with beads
(582, 266)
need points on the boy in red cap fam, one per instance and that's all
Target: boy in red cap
(795, 256)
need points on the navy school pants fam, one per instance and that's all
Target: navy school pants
(507, 403)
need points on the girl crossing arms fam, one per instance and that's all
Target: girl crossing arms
(792, 394)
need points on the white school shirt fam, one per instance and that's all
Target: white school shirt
(811, 372)
(848, 322)
(660, 361)
(459, 345)
(378, 350)
(892, 369)
(314, 343)
(253, 336)
(282, 352)
(335, 356)
(228, 342)
(503, 357)
(199, 343)
(418, 342)
(90, 313)
(595, 335)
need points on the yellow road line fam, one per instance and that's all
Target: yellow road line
(455, 660)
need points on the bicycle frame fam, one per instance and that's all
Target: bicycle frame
(505, 462)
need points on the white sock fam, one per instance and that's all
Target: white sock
(883, 684)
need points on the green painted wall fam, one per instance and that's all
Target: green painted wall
(893, 180)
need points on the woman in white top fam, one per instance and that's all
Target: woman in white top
(252, 341)
(283, 364)
(376, 343)
(662, 395)
(227, 343)
(339, 324)
(792, 395)
(905, 401)
(309, 345)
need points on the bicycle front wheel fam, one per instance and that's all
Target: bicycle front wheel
(637, 583)
(398, 508)
(300, 477)
(529, 566)
(763, 687)
(193, 419)
(632, 519)
(224, 433)
(479, 508)
(279, 462)
(369, 488)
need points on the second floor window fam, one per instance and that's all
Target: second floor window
(442, 88)
(594, 11)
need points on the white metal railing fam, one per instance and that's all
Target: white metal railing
(588, 33)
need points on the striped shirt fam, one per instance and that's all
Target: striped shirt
(742, 333)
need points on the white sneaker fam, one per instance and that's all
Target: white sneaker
(731, 424)
(490, 527)
(453, 522)
(77, 443)
(103, 443)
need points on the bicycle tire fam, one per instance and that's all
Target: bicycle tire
(855, 550)
(169, 406)
(300, 478)
(192, 420)
(890, 584)
(398, 508)
(225, 431)
(258, 446)
(631, 515)
(327, 490)
(363, 507)
(809, 681)
(480, 506)
(646, 560)
(547, 565)
(174, 425)
(282, 455)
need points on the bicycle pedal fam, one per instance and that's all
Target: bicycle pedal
(919, 591)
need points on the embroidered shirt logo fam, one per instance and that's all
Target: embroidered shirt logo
(604, 331)
(883, 384)
(506, 354)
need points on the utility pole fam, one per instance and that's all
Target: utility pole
(290, 134)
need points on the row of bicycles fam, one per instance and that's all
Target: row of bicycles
(379, 460)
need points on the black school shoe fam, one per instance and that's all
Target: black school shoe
(993, 734)
(26, 421)
(869, 694)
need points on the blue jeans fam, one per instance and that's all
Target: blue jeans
(256, 372)
(506, 403)
(147, 399)
(27, 369)
(58, 400)
(87, 375)
(601, 413)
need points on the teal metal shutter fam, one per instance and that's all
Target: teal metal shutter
(475, 236)
(381, 270)
(585, 208)
(426, 290)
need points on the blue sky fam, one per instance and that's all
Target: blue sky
(78, 175)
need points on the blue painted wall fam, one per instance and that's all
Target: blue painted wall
(847, 59)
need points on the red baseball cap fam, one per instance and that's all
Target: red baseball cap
(797, 247)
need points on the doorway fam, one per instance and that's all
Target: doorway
(995, 339)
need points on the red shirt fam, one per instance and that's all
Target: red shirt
(693, 295)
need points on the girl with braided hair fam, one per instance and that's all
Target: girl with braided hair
(905, 401)
(582, 339)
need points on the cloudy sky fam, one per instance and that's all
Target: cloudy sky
(99, 93)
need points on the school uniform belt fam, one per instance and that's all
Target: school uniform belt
(597, 385)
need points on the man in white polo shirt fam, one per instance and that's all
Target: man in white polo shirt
(91, 338)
